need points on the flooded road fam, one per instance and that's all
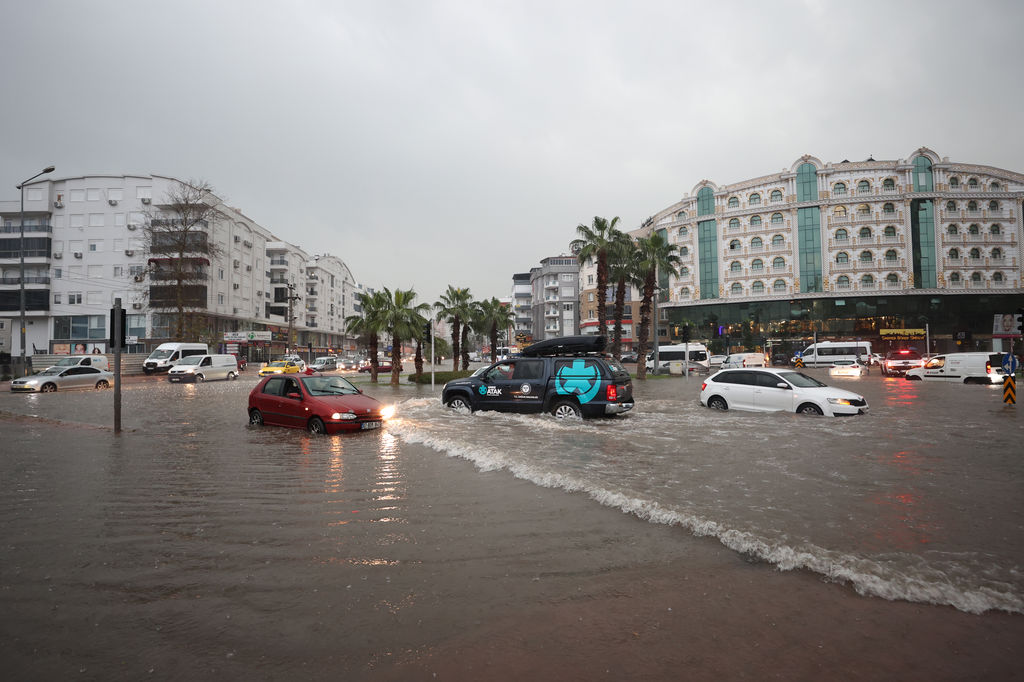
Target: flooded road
(204, 530)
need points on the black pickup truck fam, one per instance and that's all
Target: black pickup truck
(568, 377)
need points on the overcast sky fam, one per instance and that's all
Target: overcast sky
(435, 143)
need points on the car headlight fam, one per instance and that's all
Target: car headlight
(387, 412)
(343, 415)
(839, 401)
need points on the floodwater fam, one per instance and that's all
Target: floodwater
(193, 528)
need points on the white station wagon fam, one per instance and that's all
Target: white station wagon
(763, 389)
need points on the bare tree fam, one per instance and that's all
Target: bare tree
(177, 236)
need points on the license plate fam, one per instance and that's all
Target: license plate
(174, 378)
(370, 425)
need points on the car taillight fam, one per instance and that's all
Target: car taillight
(988, 367)
(703, 386)
(612, 393)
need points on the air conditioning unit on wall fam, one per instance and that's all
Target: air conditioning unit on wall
(112, 202)
(78, 254)
(58, 255)
(137, 306)
(129, 252)
(133, 227)
(145, 200)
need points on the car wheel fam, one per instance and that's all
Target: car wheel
(460, 404)
(316, 426)
(566, 409)
(102, 384)
(255, 417)
(200, 377)
(913, 378)
(810, 408)
(48, 388)
(717, 403)
(231, 376)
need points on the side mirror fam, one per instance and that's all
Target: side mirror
(783, 384)
(294, 395)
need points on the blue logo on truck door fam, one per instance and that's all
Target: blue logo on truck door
(581, 379)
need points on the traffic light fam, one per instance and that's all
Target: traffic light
(1020, 321)
(686, 333)
(426, 330)
(118, 342)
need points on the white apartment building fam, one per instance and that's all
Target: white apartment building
(555, 303)
(86, 245)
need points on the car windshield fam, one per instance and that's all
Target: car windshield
(328, 386)
(191, 360)
(50, 371)
(801, 380)
(903, 354)
(278, 363)
(160, 354)
(65, 362)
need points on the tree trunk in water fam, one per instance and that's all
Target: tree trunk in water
(455, 344)
(396, 358)
(373, 358)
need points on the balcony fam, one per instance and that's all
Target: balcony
(31, 279)
(279, 262)
(15, 229)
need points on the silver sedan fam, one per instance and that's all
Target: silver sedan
(62, 378)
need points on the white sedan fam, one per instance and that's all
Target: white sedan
(764, 389)
(848, 368)
(63, 378)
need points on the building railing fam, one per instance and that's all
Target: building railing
(16, 229)
(28, 280)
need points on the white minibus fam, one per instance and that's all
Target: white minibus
(666, 354)
(824, 353)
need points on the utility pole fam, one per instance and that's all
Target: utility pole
(292, 297)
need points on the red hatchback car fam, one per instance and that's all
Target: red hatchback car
(319, 404)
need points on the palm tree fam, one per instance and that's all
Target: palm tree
(594, 242)
(494, 315)
(403, 318)
(622, 264)
(655, 255)
(368, 323)
(455, 306)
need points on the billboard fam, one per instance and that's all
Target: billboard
(1005, 326)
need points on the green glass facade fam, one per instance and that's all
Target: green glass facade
(707, 244)
(808, 222)
(807, 182)
(922, 232)
(923, 175)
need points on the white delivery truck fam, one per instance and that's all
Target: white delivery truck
(961, 368)
(95, 360)
(204, 368)
(167, 355)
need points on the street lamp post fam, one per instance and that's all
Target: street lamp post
(21, 250)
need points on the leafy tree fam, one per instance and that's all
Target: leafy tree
(369, 323)
(455, 305)
(595, 242)
(622, 266)
(655, 254)
(403, 318)
(177, 237)
(494, 316)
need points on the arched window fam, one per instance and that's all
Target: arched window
(841, 235)
(734, 202)
(995, 229)
(735, 266)
(684, 292)
(953, 229)
(843, 282)
(950, 205)
(757, 287)
(865, 233)
(842, 257)
(778, 240)
(973, 184)
(734, 223)
(865, 256)
(755, 221)
(888, 208)
(779, 285)
(954, 277)
(681, 214)
(779, 263)
(863, 187)
(890, 231)
(839, 189)
(892, 279)
(954, 182)
(972, 205)
(684, 251)
(890, 255)
(684, 271)
(757, 264)
(997, 254)
(993, 205)
(867, 280)
(974, 229)
(839, 211)
(888, 184)
(756, 243)
(996, 187)
(863, 210)
(974, 254)
(776, 218)
(997, 277)
(736, 289)
(776, 195)
(954, 254)
(683, 231)
(754, 200)
(975, 277)
(734, 245)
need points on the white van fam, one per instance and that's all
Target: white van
(666, 354)
(95, 360)
(167, 355)
(204, 368)
(827, 352)
(967, 368)
(743, 360)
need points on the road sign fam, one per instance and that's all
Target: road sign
(799, 354)
(131, 340)
(1010, 363)
(1010, 390)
